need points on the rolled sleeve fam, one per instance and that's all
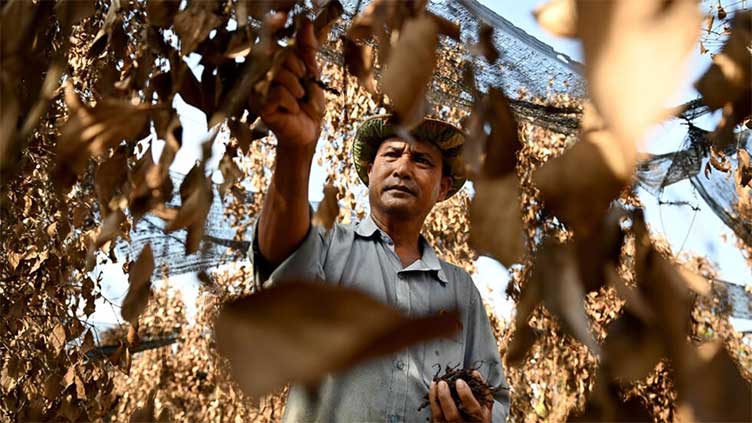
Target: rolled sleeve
(305, 263)
(483, 349)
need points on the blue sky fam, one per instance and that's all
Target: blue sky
(699, 232)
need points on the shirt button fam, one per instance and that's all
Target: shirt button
(400, 365)
(394, 418)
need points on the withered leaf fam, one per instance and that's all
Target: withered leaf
(196, 197)
(328, 209)
(109, 179)
(715, 390)
(496, 218)
(326, 18)
(359, 61)
(139, 280)
(111, 228)
(57, 338)
(524, 336)
(555, 270)
(90, 131)
(632, 348)
(732, 114)
(409, 69)
(446, 27)
(53, 386)
(195, 23)
(485, 45)
(599, 248)
(71, 12)
(607, 403)
(161, 12)
(297, 332)
(743, 170)
(579, 185)
(149, 184)
(371, 20)
(731, 72)
(230, 173)
(633, 53)
(559, 17)
(503, 143)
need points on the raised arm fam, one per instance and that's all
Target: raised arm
(293, 111)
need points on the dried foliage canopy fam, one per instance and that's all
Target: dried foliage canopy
(609, 325)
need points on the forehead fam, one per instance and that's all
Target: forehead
(419, 146)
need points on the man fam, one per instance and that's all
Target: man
(384, 255)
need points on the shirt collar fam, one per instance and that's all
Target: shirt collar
(429, 261)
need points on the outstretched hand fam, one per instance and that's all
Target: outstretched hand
(294, 105)
(444, 409)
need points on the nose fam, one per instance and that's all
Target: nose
(403, 166)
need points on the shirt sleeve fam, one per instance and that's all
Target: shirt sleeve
(305, 263)
(484, 353)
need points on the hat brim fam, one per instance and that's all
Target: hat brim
(448, 138)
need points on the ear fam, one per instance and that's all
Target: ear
(368, 170)
(446, 185)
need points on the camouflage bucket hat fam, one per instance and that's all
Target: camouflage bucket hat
(447, 137)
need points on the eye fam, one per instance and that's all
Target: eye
(423, 161)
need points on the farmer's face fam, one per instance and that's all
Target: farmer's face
(406, 179)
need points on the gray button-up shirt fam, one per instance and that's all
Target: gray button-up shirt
(390, 389)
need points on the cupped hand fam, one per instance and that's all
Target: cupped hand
(444, 408)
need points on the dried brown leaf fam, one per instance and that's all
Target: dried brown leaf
(743, 169)
(446, 27)
(326, 18)
(196, 198)
(109, 179)
(195, 23)
(409, 69)
(91, 131)
(555, 270)
(503, 143)
(328, 209)
(57, 338)
(579, 185)
(559, 17)
(633, 53)
(632, 348)
(496, 218)
(359, 61)
(161, 12)
(730, 75)
(716, 390)
(485, 46)
(297, 332)
(139, 280)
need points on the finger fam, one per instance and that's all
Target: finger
(308, 45)
(469, 403)
(289, 81)
(280, 98)
(477, 375)
(448, 407)
(315, 104)
(436, 414)
(295, 65)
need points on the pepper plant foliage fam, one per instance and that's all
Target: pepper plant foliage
(609, 325)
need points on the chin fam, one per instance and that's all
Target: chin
(397, 205)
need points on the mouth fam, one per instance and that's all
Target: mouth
(400, 188)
